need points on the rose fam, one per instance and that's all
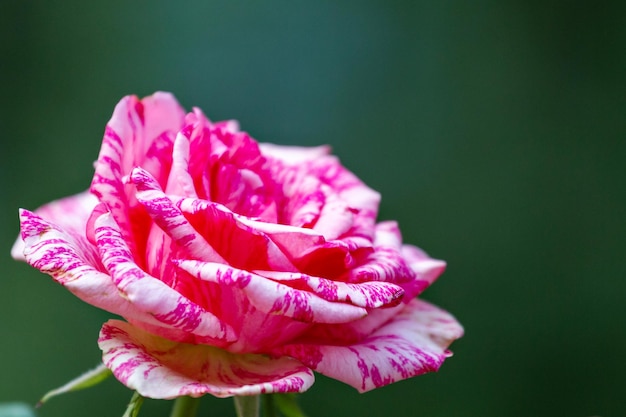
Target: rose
(239, 267)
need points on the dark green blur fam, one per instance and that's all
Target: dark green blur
(494, 130)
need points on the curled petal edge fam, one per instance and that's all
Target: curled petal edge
(162, 369)
(411, 343)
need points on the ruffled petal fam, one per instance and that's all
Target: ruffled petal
(140, 133)
(367, 294)
(274, 298)
(162, 369)
(361, 199)
(152, 296)
(69, 213)
(426, 269)
(411, 343)
(246, 243)
(74, 263)
(170, 219)
(382, 264)
(65, 255)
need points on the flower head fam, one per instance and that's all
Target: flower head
(239, 267)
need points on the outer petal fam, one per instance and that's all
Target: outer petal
(159, 368)
(69, 213)
(151, 295)
(140, 133)
(73, 262)
(426, 269)
(293, 155)
(382, 264)
(413, 342)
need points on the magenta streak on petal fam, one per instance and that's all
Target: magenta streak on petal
(368, 294)
(239, 240)
(74, 263)
(148, 293)
(170, 219)
(144, 362)
(412, 342)
(68, 213)
(273, 297)
(383, 264)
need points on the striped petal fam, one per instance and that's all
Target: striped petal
(274, 298)
(69, 213)
(140, 133)
(150, 295)
(367, 294)
(74, 263)
(159, 368)
(411, 343)
(170, 219)
(246, 243)
(426, 269)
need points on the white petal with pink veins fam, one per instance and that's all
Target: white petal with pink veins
(140, 133)
(273, 297)
(411, 343)
(169, 217)
(73, 262)
(149, 294)
(368, 294)
(159, 368)
(69, 213)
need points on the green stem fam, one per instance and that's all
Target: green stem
(269, 409)
(185, 407)
(134, 405)
(247, 406)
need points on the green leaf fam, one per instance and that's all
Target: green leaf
(288, 405)
(16, 410)
(86, 380)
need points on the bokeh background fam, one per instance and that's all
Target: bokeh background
(495, 131)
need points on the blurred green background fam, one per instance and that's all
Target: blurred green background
(494, 130)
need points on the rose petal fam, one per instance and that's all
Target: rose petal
(336, 217)
(426, 269)
(293, 155)
(75, 264)
(227, 167)
(382, 264)
(159, 368)
(245, 243)
(274, 298)
(366, 294)
(69, 213)
(180, 181)
(152, 296)
(359, 197)
(413, 342)
(140, 133)
(170, 219)
(331, 259)
(344, 334)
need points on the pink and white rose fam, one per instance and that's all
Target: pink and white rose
(240, 268)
